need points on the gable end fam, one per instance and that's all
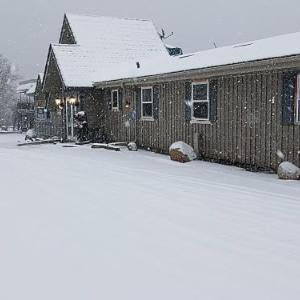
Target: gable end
(66, 35)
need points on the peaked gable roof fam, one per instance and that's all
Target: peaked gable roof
(108, 32)
(102, 42)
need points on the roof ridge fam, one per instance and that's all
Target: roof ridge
(65, 45)
(108, 17)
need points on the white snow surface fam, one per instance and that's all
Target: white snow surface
(27, 88)
(278, 46)
(185, 149)
(32, 89)
(77, 223)
(103, 42)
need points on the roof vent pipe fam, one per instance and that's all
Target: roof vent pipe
(138, 65)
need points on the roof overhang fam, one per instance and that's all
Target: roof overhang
(275, 63)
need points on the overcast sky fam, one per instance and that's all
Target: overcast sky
(28, 26)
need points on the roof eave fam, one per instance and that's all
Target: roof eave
(284, 62)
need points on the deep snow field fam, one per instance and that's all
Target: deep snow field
(83, 224)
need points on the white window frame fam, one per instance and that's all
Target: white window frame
(200, 101)
(115, 108)
(297, 104)
(142, 103)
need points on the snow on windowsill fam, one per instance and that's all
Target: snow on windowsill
(203, 122)
(147, 119)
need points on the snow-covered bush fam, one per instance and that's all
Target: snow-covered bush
(287, 170)
(182, 152)
(80, 114)
(30, 135)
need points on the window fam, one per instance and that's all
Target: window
(147, 103)
(115, 99)
(200, 101)
(297, 106)
(40, 113)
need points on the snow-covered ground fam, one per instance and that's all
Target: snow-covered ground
(77, 223)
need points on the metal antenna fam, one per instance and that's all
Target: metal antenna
(163, 35)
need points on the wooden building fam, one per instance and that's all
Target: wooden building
(87, 46)
(237, 105)
(24, 115)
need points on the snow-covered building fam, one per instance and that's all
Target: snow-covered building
(88, 45)
(236, 104)
(24, 117)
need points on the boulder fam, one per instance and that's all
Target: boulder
(288, 171)
(132, 146)
(182, 152)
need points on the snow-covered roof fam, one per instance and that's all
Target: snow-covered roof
(101, 42)
(110, 32)
(31, 91)
(27, 87)
(275, 47)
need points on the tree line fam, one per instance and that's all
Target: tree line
(8, 95)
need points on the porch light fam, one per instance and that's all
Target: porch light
(127, 104)
(58, 102)
(72, 100)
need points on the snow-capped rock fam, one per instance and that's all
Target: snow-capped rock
(31, 133)
(287, 170)
(182, 152)
(132, 146)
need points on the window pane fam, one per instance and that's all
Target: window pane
(147, 109)
(115, 99)
(201, 110)
(40, 113)
(200, 92)
(147, 95)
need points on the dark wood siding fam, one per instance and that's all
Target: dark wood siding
(66, 35)
(91, 103)
(53, 88)
(248, 129)
(119, 125)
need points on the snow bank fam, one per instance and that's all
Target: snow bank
(135, 226)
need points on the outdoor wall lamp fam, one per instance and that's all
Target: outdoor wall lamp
(59, 103)
(72, 100)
